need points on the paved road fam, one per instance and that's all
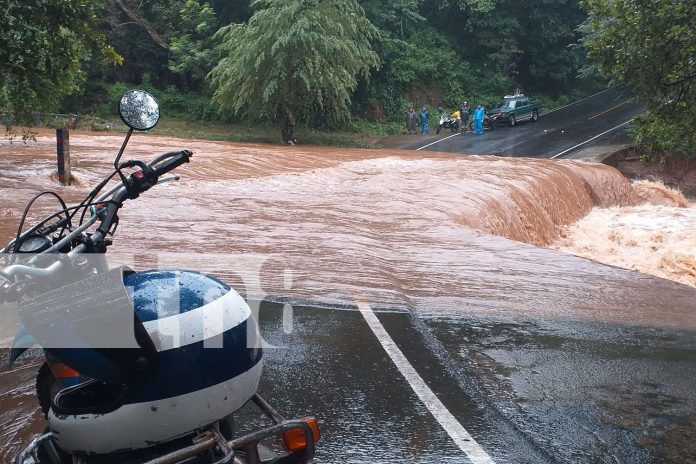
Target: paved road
(554, 133)
(526, 391)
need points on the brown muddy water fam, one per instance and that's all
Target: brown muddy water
(434, 233)
(655, 239)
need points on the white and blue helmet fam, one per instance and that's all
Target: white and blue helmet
(199, 361)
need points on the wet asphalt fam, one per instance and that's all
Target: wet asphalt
(526, 391)
(554, 132)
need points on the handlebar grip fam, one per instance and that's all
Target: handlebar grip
(175, 161)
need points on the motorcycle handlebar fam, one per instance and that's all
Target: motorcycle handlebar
(41, 272)
(172, 160)
(176, 160)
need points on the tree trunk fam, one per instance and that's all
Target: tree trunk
(144, 24)
(287, 129)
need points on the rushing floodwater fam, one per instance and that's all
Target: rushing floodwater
(434, 233)
(657, 240)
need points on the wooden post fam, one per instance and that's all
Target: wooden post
(63, 151)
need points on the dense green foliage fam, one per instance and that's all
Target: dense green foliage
(651, 47)
(412, 52)
(444, 52)
(193, 53)
(294, 58)
(43, 47)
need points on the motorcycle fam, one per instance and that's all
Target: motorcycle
(447, 122)
(117, 385)
(488, 121)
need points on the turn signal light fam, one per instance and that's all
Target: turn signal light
(295, 440)
(65, 375)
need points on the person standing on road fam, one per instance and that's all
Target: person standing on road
(479, 114)
(464, 113)
(424, 118)
(412, 121)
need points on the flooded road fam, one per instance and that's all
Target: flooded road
(434, 237)
(406, 230)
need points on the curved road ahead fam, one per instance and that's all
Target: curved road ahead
(556, 131)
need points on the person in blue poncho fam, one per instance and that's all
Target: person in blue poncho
(424, 117)
(479, 114)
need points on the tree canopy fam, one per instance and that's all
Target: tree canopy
(651, 47)
(474, 49)
(323, 61)
(43, 47)
(294, 58)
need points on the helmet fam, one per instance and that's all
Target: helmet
(195, 374)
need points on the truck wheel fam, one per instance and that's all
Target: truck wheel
(513, 121)
(535, 116)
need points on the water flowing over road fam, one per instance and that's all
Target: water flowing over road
(430, 235)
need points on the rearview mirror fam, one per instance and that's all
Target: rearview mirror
(139, 110)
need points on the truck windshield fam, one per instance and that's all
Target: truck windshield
(506, 104)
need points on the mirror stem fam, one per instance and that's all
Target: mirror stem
(120, 153)
(123, 147)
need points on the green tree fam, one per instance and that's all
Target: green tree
(232, 12)
(547, 34)
(43, 44)
(528, 42)
(141, 32)
(650, 45)
(192, 53)
(293, 58)
(397, 18)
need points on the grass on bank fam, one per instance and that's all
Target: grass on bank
(357, 134)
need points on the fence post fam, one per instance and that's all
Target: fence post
(63, 152)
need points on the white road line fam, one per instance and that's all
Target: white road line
(575, 102)
(589, 140)
(437, 141)
(454, 429)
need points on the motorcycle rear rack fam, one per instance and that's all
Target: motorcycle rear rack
(242, 450)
